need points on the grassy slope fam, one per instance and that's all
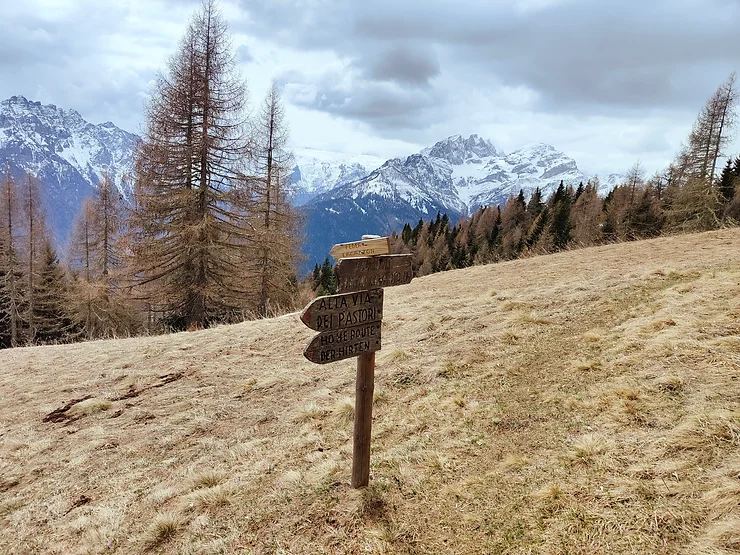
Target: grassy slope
(581, 402)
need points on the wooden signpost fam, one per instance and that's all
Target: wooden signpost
(349, 325)
(378, 271)
(365, 247)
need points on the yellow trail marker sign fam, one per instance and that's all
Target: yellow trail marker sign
(365, 247)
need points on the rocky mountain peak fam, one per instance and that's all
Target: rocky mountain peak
(457, 149)
(68, 154)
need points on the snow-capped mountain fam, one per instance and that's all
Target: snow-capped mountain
(318, 171)
(343, 196)
(460, 175)
(68, 155)
(456, 176)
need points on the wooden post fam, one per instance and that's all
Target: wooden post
(364, 386)
(350, 325)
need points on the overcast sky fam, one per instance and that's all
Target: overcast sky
(605, 81)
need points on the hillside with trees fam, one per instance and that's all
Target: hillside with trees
(692, 194)
(208, 237)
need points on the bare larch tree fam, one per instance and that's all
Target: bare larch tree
(35, 238)
(274, 247)
(189, 230)
(695, 202)
(96, 300)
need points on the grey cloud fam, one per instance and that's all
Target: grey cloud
(612, 57)
(66, 60)
(384, 106)
(580, 56)
(405, 65)
(647, 142)
(410, 66)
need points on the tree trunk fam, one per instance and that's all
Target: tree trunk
(268, 204)
(31, 255)
(197, 312)
(726, 107)
(14, 301)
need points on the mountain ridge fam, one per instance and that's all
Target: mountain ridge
(342, 196)
(455, 176)
(68, 155)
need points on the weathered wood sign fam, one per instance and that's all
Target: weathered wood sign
(331, 346)
(365, 247)
(354, 274)
(349, 325)
(333, 312)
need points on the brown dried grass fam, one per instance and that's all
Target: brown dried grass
(589, 406)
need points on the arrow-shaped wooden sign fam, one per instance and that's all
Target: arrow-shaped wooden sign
(331, 346)
(335, 312)
(349, 325)
(366, 247)
(379, 271)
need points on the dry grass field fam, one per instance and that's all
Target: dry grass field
(582, 402)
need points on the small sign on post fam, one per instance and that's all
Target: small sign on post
(365, 247)
(334, 312)
(349, 325)
(331, 346)
(377, 271)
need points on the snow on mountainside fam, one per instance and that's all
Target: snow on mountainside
(319, 171)
(343, 196)
(460, 175)
(33, 135)
(68, 155)
(482, 175)
(455, 176)
(532, 166)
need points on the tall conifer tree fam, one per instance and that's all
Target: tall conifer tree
(274, 247)
(695, 202)
(190, 228)
(36, 236)
(51, 315)
(727, 182)
(12, 297)
(99, 306)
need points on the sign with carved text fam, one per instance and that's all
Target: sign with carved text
(334, 312)
(354, 274)
(349, 325)
(365, 247)
(331, 346)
